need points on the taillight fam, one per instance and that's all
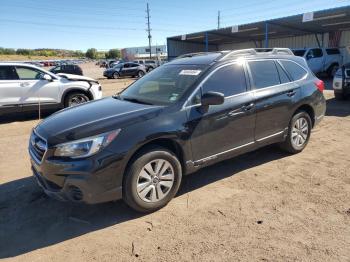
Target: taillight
(320, 85)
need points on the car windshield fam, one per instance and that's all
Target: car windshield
(299, 52)
(164, 85)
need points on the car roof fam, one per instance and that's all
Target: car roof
(252, 53)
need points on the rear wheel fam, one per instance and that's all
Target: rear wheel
(75, 99)
(298, 133)
(152, 180)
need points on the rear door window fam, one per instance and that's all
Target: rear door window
(8, 73)
(295, 71)
(333, 51)
(228, 80)
(264, 73)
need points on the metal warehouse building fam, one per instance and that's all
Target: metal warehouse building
(325, 28)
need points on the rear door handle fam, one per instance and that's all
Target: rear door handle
(291, 93)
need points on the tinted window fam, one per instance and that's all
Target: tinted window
(229, 80)
(26, 73)
(283, 75)
(294, 70)
(316, 52)
(333, 51)
(164, 85)
(264, 73)
(8, 73)
(299, 52)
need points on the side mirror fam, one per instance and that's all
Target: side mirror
(309, 56)
(47, 77)
(212, 98)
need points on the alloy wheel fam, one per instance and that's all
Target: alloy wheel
(300, 132)
(77, 99)
(155, 180)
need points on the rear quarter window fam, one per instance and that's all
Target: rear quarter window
(295, 71)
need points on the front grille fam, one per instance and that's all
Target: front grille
(37, 147)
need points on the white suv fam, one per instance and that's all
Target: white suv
(23, 87)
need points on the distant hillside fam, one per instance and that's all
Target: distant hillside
(43, 53)
(26, 58)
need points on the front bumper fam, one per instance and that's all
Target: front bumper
(88, 181)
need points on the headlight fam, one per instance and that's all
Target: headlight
(85, 147)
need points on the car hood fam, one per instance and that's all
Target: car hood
(93, 118)
(76, 77)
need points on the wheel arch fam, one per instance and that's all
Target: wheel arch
(167, 143)
(308, 109)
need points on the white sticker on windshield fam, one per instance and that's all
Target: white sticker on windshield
(190, 72)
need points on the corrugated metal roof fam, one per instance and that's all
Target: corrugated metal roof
(324, 21)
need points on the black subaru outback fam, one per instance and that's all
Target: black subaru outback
(183, 116)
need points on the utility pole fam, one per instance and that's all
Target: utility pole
(219, 19)
(149, 32)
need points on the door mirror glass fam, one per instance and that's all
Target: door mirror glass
(46, 77)
(309, 56)
(212, 98)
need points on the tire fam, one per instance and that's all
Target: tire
(150, 69)
(115, 75)
(292, 144)
(140, 74)
(339, 96)
(75, 98)
(332, 70)
(148, 198)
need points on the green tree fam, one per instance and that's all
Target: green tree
(91, 53)
(113, 53)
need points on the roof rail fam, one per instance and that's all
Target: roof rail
(282, 51)
(256, 51)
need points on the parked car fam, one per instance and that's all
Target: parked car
(341, 82)
(125, 69)
(321, 60)
(23, 87)
(149, 64)
(68, 69)
(183, 116)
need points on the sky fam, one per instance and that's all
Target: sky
(106, 24)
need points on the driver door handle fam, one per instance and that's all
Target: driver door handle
(24, 84)
(291, 93)
(248, 107)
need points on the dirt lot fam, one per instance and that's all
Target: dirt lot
(263, 206)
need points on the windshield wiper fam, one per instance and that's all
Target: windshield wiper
(134, 100)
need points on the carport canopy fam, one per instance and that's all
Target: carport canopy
(318, 22)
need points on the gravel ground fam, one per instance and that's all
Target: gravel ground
(262, 206)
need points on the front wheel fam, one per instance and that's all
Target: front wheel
(332, 70)
(152, 180)
(115, 75)
(140, 74)
(75, 99)
(298, 133)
